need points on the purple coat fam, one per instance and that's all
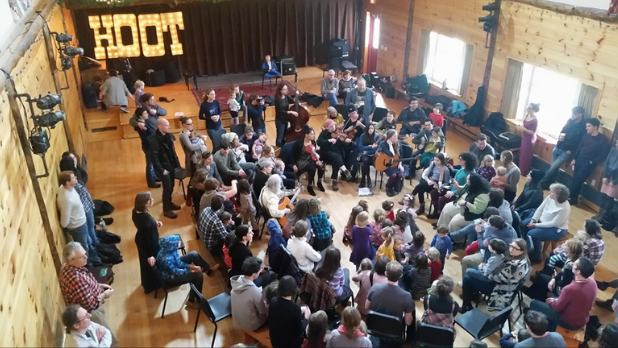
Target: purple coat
(362, 244)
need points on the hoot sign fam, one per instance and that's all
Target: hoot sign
(171, 21)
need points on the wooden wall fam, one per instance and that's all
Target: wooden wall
(457, 19)
(579, 47)
(31, 301)
(393, 16)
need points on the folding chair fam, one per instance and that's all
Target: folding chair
(216, 309)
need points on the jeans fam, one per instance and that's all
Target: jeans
(540, 234)
(554, 318)
(583, 169)
(81, 236)
(332, 98)
(150, 173)
(259, 130)
(558, 158)
(282, 127)
(475, 274)
(92, 233)
(466, 235)
(167, 181)
(248, 168)
(472, 285)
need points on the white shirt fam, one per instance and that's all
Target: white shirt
(72, 213)
(553, 214)
(304, 254)
(90, 339)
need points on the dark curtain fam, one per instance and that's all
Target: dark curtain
(234, 36)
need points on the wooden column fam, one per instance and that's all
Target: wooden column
(406, 56)
(22, 132)
(53, 66)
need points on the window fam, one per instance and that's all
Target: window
(557, 94)
(376, 33)
(446, 61)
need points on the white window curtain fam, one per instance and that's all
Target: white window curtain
(512, 85)
(588, 99)
(423, 51)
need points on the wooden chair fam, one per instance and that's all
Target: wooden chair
(550, 245)
(261, 335)
(573, 338)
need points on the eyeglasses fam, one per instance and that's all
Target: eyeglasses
(81, 257)
(88, 316)
(514, 247)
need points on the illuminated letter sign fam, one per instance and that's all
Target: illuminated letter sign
(163, 22)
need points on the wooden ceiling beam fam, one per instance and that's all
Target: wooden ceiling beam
(586, 12)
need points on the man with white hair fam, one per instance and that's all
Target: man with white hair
(79, 287)
(165, 162)
(330, 86)
(363, 99)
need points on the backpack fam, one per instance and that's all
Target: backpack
(438, 319)
(109, 253)
(496, 122)
(107, 237)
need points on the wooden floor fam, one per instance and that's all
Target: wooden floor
(116, 170)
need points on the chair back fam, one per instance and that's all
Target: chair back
(516, 223)
(379, 114)
(384, 326)
(406, 152)
(204, 305)
(343, 110)
(495, 323)
(161, 284)
(430, 336)
(239, 129)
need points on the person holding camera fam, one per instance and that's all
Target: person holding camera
(255, 113)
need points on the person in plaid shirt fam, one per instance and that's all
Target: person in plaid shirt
(322, 229)
(210, 227)
(79, 286)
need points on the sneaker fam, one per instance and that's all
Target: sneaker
(321, 186)
(212, 270)
(335, 185)
(123, 109)
(175, 206)
(348, 175)
(170, 214)
(310, 190)
(460, 284)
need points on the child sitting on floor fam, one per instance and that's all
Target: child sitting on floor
(434, 263)
(386, 249)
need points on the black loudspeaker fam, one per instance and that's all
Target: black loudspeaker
(288, 66)
(172, 75)
(335, 52)
(155, 78)
(335, 64)
(344, 45)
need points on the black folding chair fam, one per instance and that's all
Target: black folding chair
(379, 114)
(216, 309)
(480, 326)
(433, 336)
(386, 327)
(239, 129)
(162, 284)
(343, 110)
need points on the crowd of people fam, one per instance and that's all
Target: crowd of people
(474, 205)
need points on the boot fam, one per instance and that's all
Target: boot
(421, 209)
(390, 192)
(599, 216)
(321, 186)
(335, 185)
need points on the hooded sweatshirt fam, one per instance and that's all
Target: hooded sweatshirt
(507, 234)
(248, 309)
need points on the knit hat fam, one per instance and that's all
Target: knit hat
(229, 136)
(536, 175)
(351, 108)
(329, 123)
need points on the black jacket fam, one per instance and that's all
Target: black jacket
(163, 153)
(574, 131)
(238, 252)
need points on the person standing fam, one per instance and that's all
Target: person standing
(282, 106)
(528, 139)
(73, 217)
(362, 96)
(255, 112)
(145, 123)
(165, 162)
(589, 154)
(411, 118)
(329, 88)
(115, 92)
(210, 111)
(610, 184)
(568, 141)
(146, 239)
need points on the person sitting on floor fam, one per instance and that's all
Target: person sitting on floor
(176, 269)
(84, 331)
(338, 278)
(571, 309)
(540, 335)
(249, 311)
(440, 307)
